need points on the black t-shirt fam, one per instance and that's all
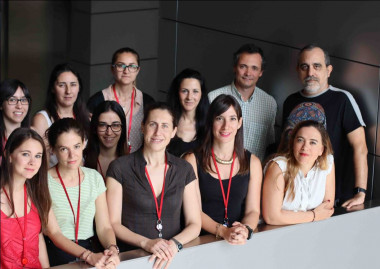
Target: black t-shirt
(342, 117)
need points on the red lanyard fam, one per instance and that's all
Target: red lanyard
(101, 171)
(130, 114)
(225, 199)
(24, 260)
(68, 198)
(158, 209)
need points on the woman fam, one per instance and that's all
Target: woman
(299, 186)
(125, 67)
(107, 136)
(229, 176)
(25, 201)
(147, 190)
(77, 193)
(187, 97)
(15, 108)
(63, 100)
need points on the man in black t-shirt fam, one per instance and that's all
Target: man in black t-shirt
(344, 123)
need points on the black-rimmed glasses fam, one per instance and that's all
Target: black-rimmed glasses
(121, 67)
(103, 127)
(13, 101)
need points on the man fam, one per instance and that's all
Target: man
(258, 108)
(345, 124)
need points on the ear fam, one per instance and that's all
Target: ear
(174, 132)
(329, 70)
(240, 122)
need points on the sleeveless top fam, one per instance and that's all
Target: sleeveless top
(178, 147)
(52, 159)
(212, 197)
(12, 243)
(310, 190)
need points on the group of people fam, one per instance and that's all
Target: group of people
(124, 172)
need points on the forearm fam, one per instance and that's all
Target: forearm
(129, 237)
(190, 232)
(285, 217)
(208, 224)
(106, 237)
(251, 219)
(43, 256)
(360, 167)
(66, 244)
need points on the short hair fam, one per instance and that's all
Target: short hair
(250, 49)
(162, 106)
(314, 46)
(61, 126)
(125, 50)
(201, 110)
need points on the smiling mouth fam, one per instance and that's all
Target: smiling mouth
(225, 134)
(304, 154)
(156, 140)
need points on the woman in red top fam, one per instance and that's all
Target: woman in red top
(25, 201)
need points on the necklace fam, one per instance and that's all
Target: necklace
(218, 160)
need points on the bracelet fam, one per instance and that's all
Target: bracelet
(217, 231)
(313, 215)
(82, 255)
(115, 246)
(88, 256)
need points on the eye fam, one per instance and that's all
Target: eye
(38, 156)
(184, 91)
(62, 149)
(77, 146)
(233, 118)
(196, 91)
(242, 66)
(219, 118)
(25, 154)
(73, 84)
(12, 99)
(164, 125)
(304, 67)
(299, 139)
(255, 68)
(152, 124)
(121, 65)
(313, 142)
(317, 66)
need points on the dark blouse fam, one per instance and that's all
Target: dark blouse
(177, 146)
(139, 209)
(212, 197)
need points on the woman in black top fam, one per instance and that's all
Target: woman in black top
(188, 99)
(229, 176)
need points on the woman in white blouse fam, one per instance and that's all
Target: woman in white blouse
(299, 185)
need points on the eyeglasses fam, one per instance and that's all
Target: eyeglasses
(121, 67)
(103, 127)
(13, 101)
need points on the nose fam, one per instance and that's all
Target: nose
(109, 130)
(68, 89)
(310, 71)
(18, 103)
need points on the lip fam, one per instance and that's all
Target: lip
(156, 140)
(29, 169)
(304, 154)
(71, 162)
(224, 134)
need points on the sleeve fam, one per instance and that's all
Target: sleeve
(330, 162)
(101, 187)
(352, 118)
(281, 162)
(95, 100)
(115, 171)
(272, 135)
(190, 175)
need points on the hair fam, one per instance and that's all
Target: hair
(162, 106)
(292, 164)
(92, 150)
(125, 50)
(8, 87)
(314, 46)
(220, 105)
(37, 186)
(79, 109)
(250, 49)
(61, 126)
(201, 110)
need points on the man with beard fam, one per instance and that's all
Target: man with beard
(345, 124)
(258, 108)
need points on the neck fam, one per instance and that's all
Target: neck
(68, 173)
(223, 150)
(65, 111)
(124, 90)
(10, 127)
(18, 184)
(311, 94)
(154, 158)
(306, 168)
(245, 93)
(107, 152)
(188, 116)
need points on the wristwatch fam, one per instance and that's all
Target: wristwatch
(358, 189)
(250, 232)
(178, 244)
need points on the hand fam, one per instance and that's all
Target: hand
(356, 200)
(113, 259)
(97, 260)
(160, 248)
(158, 263)
(235, 235)
(323, 211)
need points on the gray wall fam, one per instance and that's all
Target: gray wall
(204, 34)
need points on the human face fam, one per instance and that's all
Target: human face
(313, 72)
(125, 77)
(307, 146)
(190, 94)
(226, 126)
(109, 138)
(248, 71)
(66, 89)
(69, 150)
(158, 130)
(15, 113)
(26, 159)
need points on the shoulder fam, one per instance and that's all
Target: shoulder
(223, 90)
(292, 97)
(94, 100)
(181, 163)
(263, 95)
(41, 118)
(91, 173)
(280, 162)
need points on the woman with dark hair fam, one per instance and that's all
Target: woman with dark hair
(107, 136)
(187, 97)
(125, 67)
(15, 108)
(78, 198)
(299, 185)
(229, 177)
(63, 100)
(148, 189)
(25, 201)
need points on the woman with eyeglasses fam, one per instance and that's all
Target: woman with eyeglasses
(15, 108)
(107, 136)
(187, 97)
(125, 68)
(63, 100)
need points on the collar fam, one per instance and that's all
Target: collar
(140, 160)
(138, 97)
(235, 92)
